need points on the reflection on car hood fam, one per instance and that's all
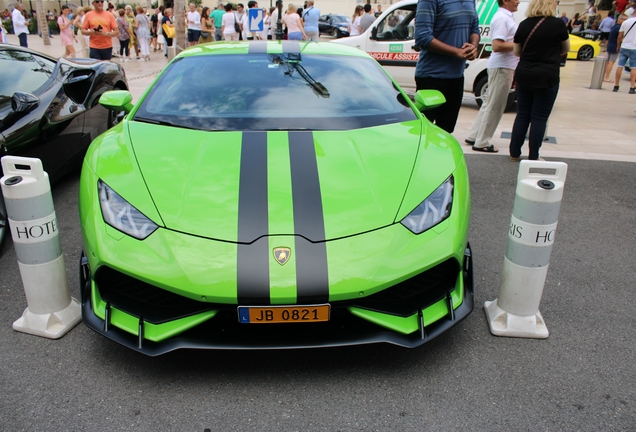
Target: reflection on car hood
(238, 186)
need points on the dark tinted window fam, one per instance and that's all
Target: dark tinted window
(22, 72)
(340, 18)
(274, 92)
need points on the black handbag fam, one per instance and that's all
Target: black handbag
(237, 27)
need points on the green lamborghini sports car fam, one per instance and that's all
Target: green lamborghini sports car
(265, 195)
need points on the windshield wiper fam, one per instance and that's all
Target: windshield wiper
(293, 62)
(43, 67)
(160, 122)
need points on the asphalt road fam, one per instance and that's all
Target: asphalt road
(582, 378)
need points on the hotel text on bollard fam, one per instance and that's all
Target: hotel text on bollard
(51, 311)
(515, 313)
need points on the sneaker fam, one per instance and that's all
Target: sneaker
(632, 91)
(141, 59)
(615, 89)
(515, 159)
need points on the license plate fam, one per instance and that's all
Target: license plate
(283, 314)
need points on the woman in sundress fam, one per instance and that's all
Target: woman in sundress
(143, 33)
(66, 32)
(130, 17)
(207, 28)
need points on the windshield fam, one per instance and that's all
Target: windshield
(22, 71)
(274, 92)
(339, 18)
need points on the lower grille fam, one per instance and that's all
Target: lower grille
(418, 292)
(158, 305)
(225, 332)
(142, 299)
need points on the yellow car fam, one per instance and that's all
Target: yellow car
(583, 49)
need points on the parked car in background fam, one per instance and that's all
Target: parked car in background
(49, 109)
(334, 25)
(583, 48)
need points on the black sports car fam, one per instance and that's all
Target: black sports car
(334, 25)
(49, 109)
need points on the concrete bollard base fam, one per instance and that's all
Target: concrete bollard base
(50, 325)
(503, 323)
(173, 51)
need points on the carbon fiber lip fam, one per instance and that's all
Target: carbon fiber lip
(348, 332)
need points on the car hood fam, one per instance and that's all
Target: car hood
(239, 186)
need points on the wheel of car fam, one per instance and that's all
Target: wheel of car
(511, 103)
(585, 53)
(335, 33)
(481, 90)
(481, 93)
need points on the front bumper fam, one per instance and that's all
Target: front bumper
(409, 320)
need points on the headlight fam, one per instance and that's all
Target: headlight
(432, 210)
(119, 214)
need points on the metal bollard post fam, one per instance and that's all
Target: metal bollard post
(515, 313)
(51, 311)
(599, 72)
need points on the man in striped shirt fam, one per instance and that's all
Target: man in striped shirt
(447, 32)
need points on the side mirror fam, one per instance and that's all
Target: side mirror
(24, 103)
(428, 99)
(374, 33)
(117, 100)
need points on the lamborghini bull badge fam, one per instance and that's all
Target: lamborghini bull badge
(282, 255)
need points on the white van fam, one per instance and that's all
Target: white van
(391, 38)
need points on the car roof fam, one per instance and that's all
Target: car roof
(9, 47)
(273, 47)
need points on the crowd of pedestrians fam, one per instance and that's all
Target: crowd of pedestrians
(135, 32)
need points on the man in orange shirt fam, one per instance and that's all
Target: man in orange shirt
(101, 27)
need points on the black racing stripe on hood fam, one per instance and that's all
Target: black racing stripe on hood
(253, 258)
(312, 281)
(257, 47)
